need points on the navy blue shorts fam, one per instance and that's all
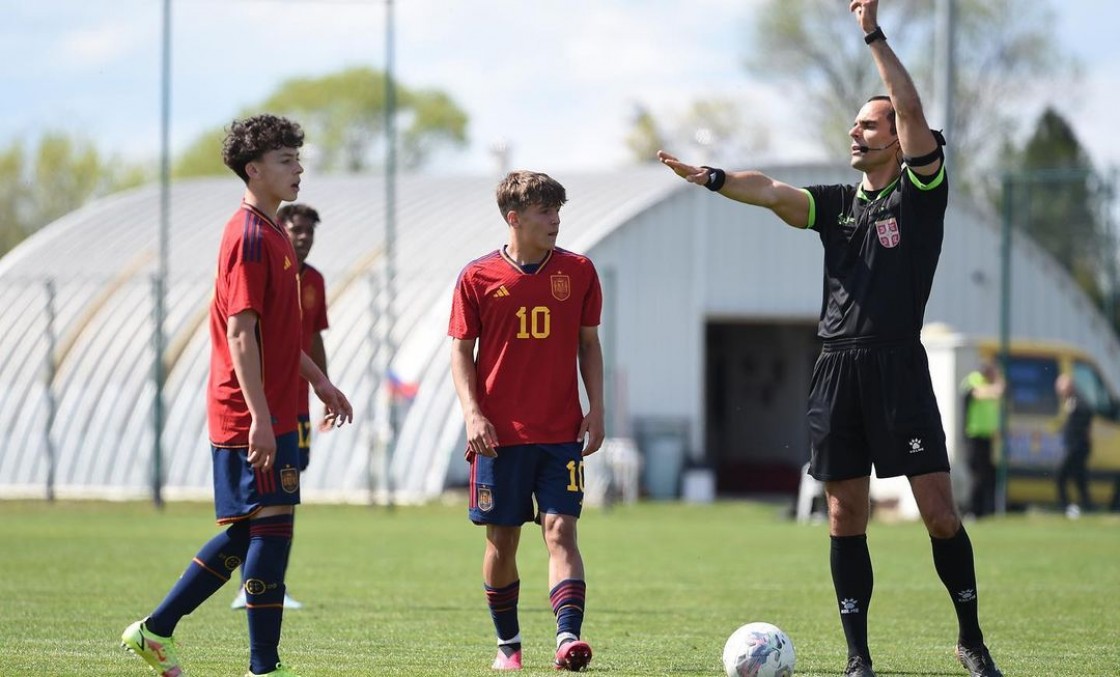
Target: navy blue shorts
(503, 488)
(874, 405)
(304, 431)
(240, 491)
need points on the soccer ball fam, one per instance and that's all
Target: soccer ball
(758, 650)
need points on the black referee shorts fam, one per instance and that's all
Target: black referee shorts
(874, 405)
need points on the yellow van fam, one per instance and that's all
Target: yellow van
(1033, 448)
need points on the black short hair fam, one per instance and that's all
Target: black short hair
(308, 212)
(890, 113)
(249, 139)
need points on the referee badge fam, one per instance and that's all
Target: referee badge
(561, 287)
(485, 499)
(888, 233)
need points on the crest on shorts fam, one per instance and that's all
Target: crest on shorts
(561, 287)
(485, 499)
(888, 233)
(289, 480)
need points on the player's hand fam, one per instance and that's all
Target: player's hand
(482, 437)
(262, 445)
(326, 422)
(593, 429)
(867, 13)
(337, 409)
(690, 173)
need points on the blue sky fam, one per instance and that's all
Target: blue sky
(555, 79)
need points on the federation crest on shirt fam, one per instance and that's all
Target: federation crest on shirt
(561, 287)
(310, 298)
(889, 235)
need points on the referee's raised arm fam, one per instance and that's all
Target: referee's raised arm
(914, 136)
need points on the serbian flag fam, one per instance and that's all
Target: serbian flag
(401, 389)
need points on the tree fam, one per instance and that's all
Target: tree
(60, 175)
(1061, 202)
(344, 117)
(717, 128)
(1004, 50)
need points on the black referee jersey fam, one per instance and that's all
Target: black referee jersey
(880, 253)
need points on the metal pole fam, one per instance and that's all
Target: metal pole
(159, 375)
(946, 63)
(390, 319)
(1004, 336)
(52, 404)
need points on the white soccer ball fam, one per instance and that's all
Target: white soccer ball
(758, 650)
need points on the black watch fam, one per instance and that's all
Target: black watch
(874, 35)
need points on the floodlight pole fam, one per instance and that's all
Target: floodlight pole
(390, 319)
(159, 370)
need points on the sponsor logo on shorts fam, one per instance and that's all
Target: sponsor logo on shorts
(916, 445)
(485, 499)
(289, 479)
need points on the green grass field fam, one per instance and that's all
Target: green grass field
(399, 592)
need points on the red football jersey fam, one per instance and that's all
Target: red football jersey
(257, 271)
(528, 329)
(313, 303)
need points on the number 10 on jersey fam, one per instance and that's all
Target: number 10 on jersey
(535, 323)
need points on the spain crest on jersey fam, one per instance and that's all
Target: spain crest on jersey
(289, 480)
(561, 287)
(889, 235)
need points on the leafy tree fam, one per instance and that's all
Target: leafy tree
(344, 117)
(58, 176)
(1004, 49)
(718, 129)
(1062, 203)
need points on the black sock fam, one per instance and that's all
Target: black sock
(952, 557)
(853, 579)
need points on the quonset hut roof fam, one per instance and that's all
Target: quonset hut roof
(94, 271)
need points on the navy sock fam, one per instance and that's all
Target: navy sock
(853, 580)
(568, 600)
(953, 559)
(503, 611)
(265, 565)
(208, 571)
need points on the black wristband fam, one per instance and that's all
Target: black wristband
(716, 177)
(874, 35)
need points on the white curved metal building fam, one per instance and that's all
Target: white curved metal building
(708, 328)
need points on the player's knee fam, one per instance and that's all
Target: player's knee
(942, 523)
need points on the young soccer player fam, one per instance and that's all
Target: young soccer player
(255, 366)
(871, 400)
(533, 311)
(299, 221)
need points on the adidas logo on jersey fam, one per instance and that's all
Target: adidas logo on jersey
(502, 291)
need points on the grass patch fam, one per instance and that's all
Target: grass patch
(399, 592)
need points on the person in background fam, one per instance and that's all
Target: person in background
(299, 221)
(1077, 444)
(983, 393)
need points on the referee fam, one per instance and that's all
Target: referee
(871, 402)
